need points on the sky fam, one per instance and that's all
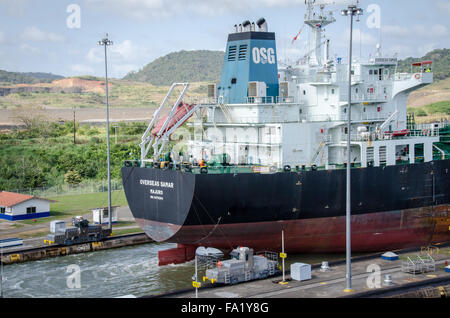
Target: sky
(60, 36)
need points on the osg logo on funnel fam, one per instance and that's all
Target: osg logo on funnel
(263, 55)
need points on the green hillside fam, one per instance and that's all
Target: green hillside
(26, 78)
(183, 66)
(441, 63)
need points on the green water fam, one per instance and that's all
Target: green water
(111, 273)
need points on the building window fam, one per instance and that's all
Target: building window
(370, 72)
(31, 210)
(332, 91)
(2, 210)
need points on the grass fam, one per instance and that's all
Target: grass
(124, 223)
(79, 204)
(434, 112)
(438, 108)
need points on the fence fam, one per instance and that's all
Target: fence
(66, 189)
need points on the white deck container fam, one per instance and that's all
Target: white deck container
(300, 271)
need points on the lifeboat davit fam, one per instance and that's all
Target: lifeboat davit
(180, 112)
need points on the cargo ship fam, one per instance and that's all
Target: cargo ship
(266, 152)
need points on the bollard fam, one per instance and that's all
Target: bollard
(325, 267)
(388, 280)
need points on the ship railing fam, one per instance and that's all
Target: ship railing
(363, 98)
(262, 119)
(403, 76)
(339, 117)
(259, 100)
(285, 100)
(202, 100)
(363, 117)
(272, 256)
(373, 136)
(319, 117)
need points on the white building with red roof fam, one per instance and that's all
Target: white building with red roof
(16, 206)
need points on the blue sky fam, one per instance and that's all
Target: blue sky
(35, 35)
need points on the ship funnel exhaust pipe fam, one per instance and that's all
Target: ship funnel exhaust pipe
(246, 25)
(262, 25)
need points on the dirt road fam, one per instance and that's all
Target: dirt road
(9, 117)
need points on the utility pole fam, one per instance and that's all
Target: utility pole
(106, 42)
(115, 132)
(74, 126)
(351, 11)
(1, 272)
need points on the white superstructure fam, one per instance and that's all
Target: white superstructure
(305, 125)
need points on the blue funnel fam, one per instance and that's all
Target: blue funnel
(250, 57)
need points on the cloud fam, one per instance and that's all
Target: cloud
(120, 70)
(14, 8)
(81, 69)
(36, 35)
(145, 9)
(29, 49)
(94, 55)
(418, 30)
(123, 57)
(123, 51)
(443, 5)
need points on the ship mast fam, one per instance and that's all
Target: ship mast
(317, 22)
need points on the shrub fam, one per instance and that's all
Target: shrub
(72, 177)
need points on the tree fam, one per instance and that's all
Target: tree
(72, 177)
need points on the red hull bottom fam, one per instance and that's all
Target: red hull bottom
(370, 232)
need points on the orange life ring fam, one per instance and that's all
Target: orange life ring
(425, 132)
(417, 76)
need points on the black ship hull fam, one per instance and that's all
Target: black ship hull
(392, 207)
